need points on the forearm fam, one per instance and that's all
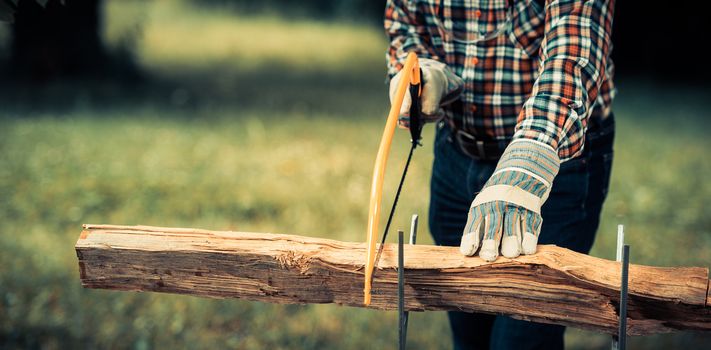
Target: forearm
(574, 55)
(405, 29)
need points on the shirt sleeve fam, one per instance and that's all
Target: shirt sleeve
(574, 53)
(405, 28)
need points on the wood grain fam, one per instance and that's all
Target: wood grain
(555, 285)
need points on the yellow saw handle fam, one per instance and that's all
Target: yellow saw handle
(410, 75)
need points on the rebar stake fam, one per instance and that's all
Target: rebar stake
(619, 341)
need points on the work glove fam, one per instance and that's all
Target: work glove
(441, 87)
(507, 211)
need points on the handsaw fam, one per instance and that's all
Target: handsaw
(411, 80)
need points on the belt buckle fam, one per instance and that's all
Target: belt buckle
(460, 135)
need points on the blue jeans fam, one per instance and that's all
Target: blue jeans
(570, 218)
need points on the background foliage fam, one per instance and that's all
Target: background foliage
(248, 121)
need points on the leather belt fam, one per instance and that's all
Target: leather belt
(600, 132)
(475, 147)
(491, 150)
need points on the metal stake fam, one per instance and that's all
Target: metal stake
(619, 341)
(620, 241)
(622, 332)
(413, 229)
(404, 316)
(401, 290)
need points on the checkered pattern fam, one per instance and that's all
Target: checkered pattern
(530, 71)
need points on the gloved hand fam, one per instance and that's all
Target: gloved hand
(441, 87)
(510, 203)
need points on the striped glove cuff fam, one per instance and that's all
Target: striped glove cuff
(523, 176)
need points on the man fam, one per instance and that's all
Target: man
(522, 92)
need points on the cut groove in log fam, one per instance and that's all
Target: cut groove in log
(555, 285)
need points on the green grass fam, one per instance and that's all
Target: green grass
(282, 144)
(205, 37)
(254, 174)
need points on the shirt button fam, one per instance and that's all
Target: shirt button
(475, 61)
(477, 13)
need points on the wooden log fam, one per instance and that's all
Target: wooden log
(555, 285)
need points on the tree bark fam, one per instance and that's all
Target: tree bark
(555, 285)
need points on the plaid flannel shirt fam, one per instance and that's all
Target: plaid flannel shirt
(532, 69)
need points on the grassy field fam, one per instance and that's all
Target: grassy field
(265, 124)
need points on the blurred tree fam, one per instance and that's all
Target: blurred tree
(660, 40)
(52, 38)
(359, 10)
(362, 9)
(7, 8)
